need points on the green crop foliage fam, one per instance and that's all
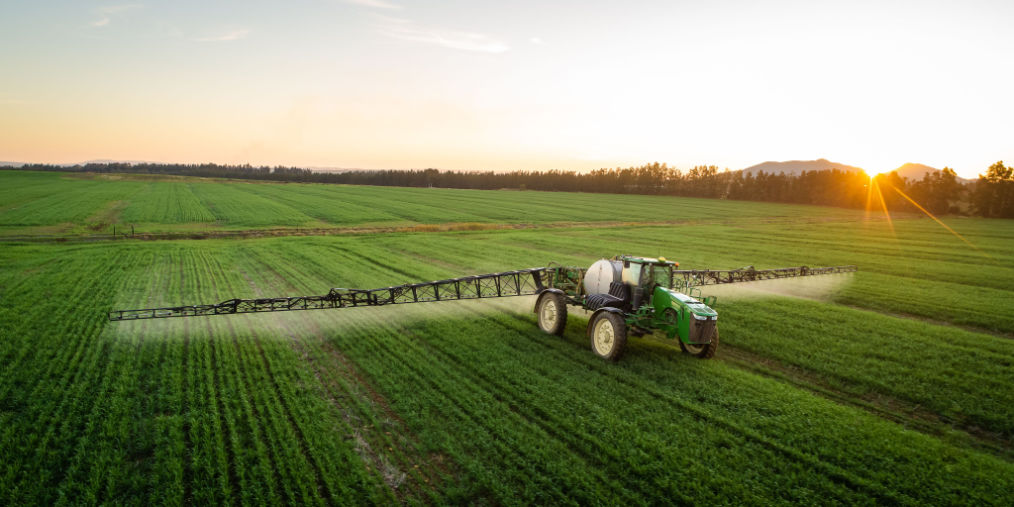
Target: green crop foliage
(166, 203)
(32, 202)
(30, 199)
(890, 386)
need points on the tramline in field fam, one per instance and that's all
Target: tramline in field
(626, 295)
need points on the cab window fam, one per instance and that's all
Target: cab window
(635, 273)
(660, 275)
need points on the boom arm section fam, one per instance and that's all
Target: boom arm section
(521, 282)
(698, 277)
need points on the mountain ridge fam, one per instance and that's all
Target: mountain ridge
(910, 170)
(796, 167)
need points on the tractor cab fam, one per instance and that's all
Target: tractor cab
(646, 272)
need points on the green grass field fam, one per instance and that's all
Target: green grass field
(894, 385)
(76, 204)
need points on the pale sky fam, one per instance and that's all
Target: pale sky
(573, 85)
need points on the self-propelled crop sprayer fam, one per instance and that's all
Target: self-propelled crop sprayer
(626, 295)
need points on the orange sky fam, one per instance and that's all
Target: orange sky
(519, 85)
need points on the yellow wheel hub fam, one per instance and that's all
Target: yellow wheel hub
(548, 314)
(604, 336)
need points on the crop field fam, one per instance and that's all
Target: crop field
(42, 202)
(894, 385)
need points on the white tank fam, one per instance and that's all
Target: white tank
(600, 275)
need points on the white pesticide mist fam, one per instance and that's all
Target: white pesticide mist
(313, 325)
(323, 323)
(817, 288)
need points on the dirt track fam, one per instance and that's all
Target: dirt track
(447, 227)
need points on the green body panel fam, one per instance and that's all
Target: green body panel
(686, 307)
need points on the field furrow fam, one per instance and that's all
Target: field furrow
(888, 386)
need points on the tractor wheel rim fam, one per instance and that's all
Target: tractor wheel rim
(548, 314)
(604, 337)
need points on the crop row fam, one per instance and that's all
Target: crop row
(826, 339)
(166, 203)
(463, 402)
(172, 411)
(972, 291)
(52, 199)
(862, 351)
(960, 375)
(58, 201)
(456, 332)
(496, 395)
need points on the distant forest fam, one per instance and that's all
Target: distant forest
(992, 195)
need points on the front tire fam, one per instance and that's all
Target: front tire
(552, 312)
(608, 335)
(704, 350)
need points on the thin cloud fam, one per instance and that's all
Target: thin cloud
(106, 13)
(537, 40)
(376, 4)
(232, 35)
(408, 30)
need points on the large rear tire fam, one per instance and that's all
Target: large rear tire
(552, 312)
(608, 333)
(704, 350)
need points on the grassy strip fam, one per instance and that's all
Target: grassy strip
(961, 376)
(33, 200)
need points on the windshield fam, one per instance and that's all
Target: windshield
(660, 275)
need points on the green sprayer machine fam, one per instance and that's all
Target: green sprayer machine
(626, 295)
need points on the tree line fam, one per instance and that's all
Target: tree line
(992, 195)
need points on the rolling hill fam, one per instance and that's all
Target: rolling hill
(909, 170)
(917, 171)
(796, 167)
